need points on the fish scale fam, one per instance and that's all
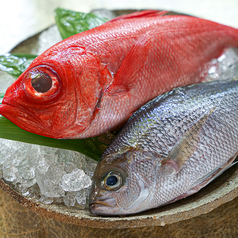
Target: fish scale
(165, 166)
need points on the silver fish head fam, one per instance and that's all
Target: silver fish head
(123, 183)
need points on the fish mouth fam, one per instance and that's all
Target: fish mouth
(23, 119)
(102, 206)
(96, 203)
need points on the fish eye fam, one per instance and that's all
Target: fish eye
(112, 181)
(41, 82)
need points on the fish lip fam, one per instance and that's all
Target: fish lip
(28, 121)
(100, 203)
(7, 109)
(97, 206)
(17, 108)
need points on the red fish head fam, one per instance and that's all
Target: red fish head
(57, 95)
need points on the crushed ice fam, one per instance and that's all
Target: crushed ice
(225, 67)
(75, 181)
(49, 174)
(5, 81)
(48, 38)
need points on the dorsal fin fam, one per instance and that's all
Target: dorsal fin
(145, 13)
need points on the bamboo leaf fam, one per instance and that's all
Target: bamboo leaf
(71, 22)
(91, 147)
(1, 97)
(15, 64)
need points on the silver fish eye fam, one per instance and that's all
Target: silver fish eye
(41, 82)
(112, 181)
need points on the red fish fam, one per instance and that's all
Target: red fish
(92, 82)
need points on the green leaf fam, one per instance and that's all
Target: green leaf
(91, 147)
(71, 23)
(1, 97)
(15, 64)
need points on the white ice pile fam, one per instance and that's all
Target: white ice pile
(225, 67)
(5, 81)
(48, 174)
(46, 39)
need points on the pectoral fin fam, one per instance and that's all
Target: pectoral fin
(185, 147)
(132, 66)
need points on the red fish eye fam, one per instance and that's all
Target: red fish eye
(41, 82)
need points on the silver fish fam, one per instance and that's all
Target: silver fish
(169, 149)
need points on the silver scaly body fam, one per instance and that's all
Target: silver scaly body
(174, 145)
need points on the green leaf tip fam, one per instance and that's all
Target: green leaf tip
(71, 22)
(15, 64)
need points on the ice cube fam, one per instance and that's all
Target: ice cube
(25, 184)
(48, 38)
(46, 200)
(69, 167)
(225, 67)
(29, 189)
(9, 172)
(43, 165)
(5, 151)
(5, 81)
(26, 172)
(228, 58)
(49, 182)
(76, 180)
(59, 200)
(90, 168)
(82, 197)
(10, 151)
(69, 199)
(104, 13)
